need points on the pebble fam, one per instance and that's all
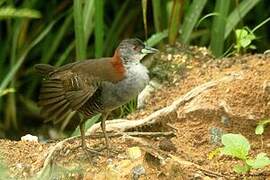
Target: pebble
(134, 153)
(137, 171)
(29, 137)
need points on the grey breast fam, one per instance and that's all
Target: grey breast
(115, 95)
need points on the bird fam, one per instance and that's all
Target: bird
(94, 86)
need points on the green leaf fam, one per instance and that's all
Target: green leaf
(6, 91)
(244, 37)
(10, 12)
(235, 145)
(156, 38)
(261, 161)
(240, 169)
(259, 129)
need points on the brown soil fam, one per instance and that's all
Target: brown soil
(198, 125)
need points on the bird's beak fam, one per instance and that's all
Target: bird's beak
(149, 50)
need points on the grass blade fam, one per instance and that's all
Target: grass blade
(88, 18)
(144, 9)
(191, 18)
(157, 38)
(10, 12)
(99, 28)
(157, 15)
(79, 30)
(11, 110)
(175, 20)
(218, 27)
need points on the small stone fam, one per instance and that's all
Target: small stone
(134, 153)
(19, 165)
(137, 171)
(215, 135)
(29, 137)
(169, 57)
(266, 87)
(109, 161)
(40, 148)
(225, 120)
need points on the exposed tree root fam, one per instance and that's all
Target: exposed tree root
(157, 116)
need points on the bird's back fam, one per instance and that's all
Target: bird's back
(69, 87)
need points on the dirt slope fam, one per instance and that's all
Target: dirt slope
(230, 107)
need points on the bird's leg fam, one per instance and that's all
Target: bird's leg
(83, 145)
(82, 129)
(103, 127)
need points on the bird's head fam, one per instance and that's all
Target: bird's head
(133, 50)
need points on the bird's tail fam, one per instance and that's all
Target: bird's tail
(44, 69)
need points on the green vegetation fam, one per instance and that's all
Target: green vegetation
(237, 146)
(60, 32)
(261, 126)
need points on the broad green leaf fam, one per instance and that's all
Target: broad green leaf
(259, 129)
(240, 169)
(244, 37)
(260, 161)
(235, 145)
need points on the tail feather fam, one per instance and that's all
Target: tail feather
(44, 69)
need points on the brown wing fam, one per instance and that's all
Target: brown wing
(64, 91)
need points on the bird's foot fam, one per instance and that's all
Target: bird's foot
(111, 151)
(91, 151)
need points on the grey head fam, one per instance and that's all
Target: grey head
(133, 50)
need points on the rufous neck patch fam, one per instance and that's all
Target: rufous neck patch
(117, 63)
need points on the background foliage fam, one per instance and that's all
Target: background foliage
(59, 32)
